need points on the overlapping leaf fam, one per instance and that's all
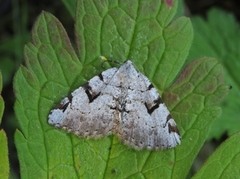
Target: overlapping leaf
(218, 36)
(224, 162)
(4, 163)
(193, 98)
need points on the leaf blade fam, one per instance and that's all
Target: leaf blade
(192, 100)
(213, 37)
(224, 162)
(4, 161)
(36, 87)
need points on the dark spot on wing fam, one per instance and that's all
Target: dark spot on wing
(100, 76)
(91, 95)
(150, 86)
(158, 101)
(70, 97)
(150, 110)
(62, 107)
(155, 106)
(113, 108)
(169, 117)
(86, 86)
(173, 129)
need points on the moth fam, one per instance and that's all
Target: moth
(120, 101)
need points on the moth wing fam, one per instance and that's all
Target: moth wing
(88, 111)
(145, 121)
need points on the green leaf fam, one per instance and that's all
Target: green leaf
(70, 5)
(219, 37)
(4, 162)
(51, 68)
(1, 99)
(11, 49)
(136, 30)
(120, 30)
(192, 99)
(224, 162)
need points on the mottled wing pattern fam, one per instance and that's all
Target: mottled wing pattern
(87, 111)
(119, 101)
(145, 121)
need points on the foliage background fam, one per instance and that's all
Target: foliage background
(214, 36)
